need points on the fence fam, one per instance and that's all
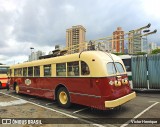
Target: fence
(146, 72)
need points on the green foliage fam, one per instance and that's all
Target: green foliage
(141, 53)
(118, 54)
(156, 51)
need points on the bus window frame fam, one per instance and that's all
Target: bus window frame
(34, 71)
(63, 72)
(87, 74)
(31, 71)
(16, 72)
(26, 71)
(72, 73)
(7, 68)
(128, 61)
(116, 71)
(50, 70)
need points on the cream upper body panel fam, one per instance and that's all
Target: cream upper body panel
(96, 61)
(3, 75)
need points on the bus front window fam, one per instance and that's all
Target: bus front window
(119, 67)
(111, 68)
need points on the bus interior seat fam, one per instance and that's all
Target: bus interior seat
(71, 73)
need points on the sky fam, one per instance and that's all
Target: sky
(42, 24)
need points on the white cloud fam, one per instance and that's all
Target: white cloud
(42, 24)
(152, 8)
(8, 5)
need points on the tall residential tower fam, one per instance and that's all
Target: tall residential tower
(75, 39)
(118, 41)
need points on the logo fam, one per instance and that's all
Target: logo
(27, 82)
(6, 121)
(111, 82)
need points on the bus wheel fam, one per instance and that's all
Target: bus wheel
(63, 98)
(17, 89)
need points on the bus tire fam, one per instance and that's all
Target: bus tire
(63, 98)
(17, 89)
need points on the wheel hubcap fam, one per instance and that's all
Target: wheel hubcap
(63, 97)
(17, 89)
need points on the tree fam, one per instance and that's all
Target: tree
(156, 51)
(118, 54)
(141, 53)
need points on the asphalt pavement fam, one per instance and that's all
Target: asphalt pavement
(144, 110)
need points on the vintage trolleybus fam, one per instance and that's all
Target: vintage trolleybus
(92, 78)
(3, 76)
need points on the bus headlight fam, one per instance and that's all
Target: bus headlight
(117, 83)
(124, 81)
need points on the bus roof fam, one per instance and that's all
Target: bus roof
(125, 56)
(68, 58)
(4, 66)
(96, 61)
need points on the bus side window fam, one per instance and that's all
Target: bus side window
(24, 72)
(37, 71)
(61, 69)
(47, 70)
(30, 71)
(20, 72)
(127, 63)
(10, 72)
(84, 68)
(73, 68)
(15, 72)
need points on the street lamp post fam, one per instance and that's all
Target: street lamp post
(31, 49)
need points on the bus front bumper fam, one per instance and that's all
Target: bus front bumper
(120, 101)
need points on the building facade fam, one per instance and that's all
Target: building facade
(118, 41)
(134, 43)
(35, 55)
(75, 39)
(145, 45)
(104, 45)
(152, 46)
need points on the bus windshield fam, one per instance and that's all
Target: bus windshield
(112, 70)
(3, 70)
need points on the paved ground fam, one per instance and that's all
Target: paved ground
(146, 107)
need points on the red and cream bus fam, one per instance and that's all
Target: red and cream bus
(3, 76)
(93, 78)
